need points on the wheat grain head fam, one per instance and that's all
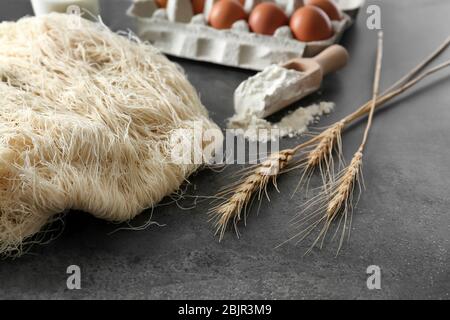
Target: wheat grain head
(239, 197)
(334, 202)
(321, 156)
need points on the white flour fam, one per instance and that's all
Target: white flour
(268, 88)
(293, 124)
(263, 89)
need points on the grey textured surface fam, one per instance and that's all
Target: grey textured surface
(401, 223)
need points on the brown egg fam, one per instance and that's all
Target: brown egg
(226, 12)
(266, 18)
(198, 6)
(329, 6)
(161, 3)
(242, 2)
(310, 23)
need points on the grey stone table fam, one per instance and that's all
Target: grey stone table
(401, 223)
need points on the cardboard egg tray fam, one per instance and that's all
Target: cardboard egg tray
(176, 31)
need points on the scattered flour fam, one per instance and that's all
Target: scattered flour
(295, 123)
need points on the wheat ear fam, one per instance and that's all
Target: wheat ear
(253, 185)
(321, 155)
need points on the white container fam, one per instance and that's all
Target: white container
(88, 8)
(236, 47)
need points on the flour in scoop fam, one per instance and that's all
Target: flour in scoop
(253, 95)
(265, 89)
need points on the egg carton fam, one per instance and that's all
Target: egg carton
(176, 31)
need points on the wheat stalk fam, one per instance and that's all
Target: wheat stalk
(342, 198)
(337, 199)
(236, 198)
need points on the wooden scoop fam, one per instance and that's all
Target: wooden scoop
(314, 69)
